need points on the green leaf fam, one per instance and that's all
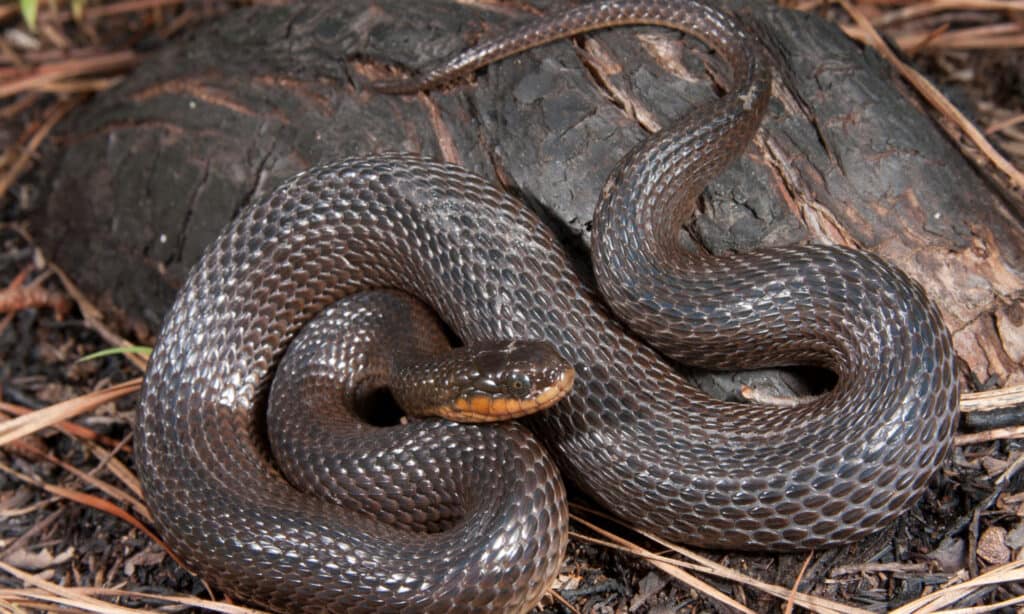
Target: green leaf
(132, 349)
(78, 9)
(29, 12)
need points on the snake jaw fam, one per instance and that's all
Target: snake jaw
(488, 381)
(557, 391)
(478, 406)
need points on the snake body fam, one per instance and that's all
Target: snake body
(451, 506)
(633, 434)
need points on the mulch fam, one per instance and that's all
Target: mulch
(75, 534)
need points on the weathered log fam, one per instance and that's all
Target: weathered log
(148, 173)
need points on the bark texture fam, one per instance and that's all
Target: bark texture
(148, 173)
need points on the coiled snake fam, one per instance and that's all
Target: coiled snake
(633, 433)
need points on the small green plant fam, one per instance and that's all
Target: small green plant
(132, 349)
(29, 12)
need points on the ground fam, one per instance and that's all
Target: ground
(67, 491)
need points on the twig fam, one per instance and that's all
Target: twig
(989, 400)
(19, 105)
(93, 318)
(1013, 432)
(92, 501)
(46, 74)
(58, 111)
(60, 594)
(562, 600)
(981, 609)
(790, 600)
(105, 487)
(70, 429)
(1010, 572)
(990, 36)
(65, 410)
(17, 296)
(930, 7)
(98, 11)
(34, 530)
(846, 570)
(189, 600)
(665, 564)
(706, 565)
(1009, 122)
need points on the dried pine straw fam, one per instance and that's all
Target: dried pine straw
(682, 569)
(47, 73)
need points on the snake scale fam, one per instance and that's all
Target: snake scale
(633, 433)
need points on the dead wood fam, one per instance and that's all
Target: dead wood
(147, 174)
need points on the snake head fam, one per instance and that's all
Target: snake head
(499, 380)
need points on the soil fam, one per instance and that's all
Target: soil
(970, 519)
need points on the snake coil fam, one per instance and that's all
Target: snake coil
(633, 434)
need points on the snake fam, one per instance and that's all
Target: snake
(633, 433)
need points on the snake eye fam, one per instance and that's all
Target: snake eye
(519, 383)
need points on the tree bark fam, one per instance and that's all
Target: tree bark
(148, 173)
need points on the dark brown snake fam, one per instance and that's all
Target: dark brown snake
(633, 434)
